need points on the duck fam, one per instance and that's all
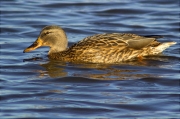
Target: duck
(105, 48)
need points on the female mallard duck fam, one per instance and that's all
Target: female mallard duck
(100, 48)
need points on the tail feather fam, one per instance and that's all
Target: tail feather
(162, 47)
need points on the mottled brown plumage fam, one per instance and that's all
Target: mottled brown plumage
(100, 48)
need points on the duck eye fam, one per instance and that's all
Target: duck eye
(46, 33)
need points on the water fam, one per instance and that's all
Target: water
(32, 86)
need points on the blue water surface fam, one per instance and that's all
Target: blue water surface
(32, 86)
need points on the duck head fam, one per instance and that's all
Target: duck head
(51, 36)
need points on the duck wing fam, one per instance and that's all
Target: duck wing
(115, 39)
(137, 42)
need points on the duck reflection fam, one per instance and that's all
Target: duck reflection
(54, 69)
(130, 70)
(149, 67)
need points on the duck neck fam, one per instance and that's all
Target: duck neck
(57, 55)
(58, 47)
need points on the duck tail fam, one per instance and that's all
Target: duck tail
(162, 47)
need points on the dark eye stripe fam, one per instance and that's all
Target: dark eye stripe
(46, 33)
